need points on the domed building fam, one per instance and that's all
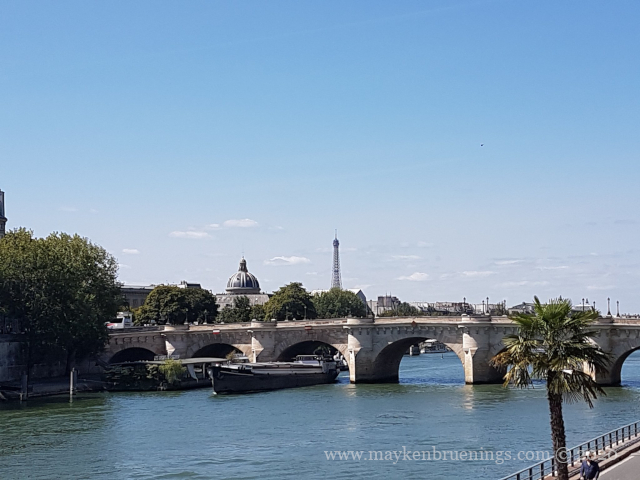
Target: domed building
(242, 283)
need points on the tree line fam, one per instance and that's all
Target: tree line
(175, 305)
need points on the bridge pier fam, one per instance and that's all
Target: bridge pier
(477, 353)
(263, 341)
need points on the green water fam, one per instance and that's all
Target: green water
(285, 434)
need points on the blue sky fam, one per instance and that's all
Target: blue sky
(178, 135)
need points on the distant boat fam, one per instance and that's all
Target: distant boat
(305, 371)
(433, 346)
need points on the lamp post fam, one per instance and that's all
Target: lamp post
(608, 306)
(583, 304)
(487, 305)
(483, 308)
(618, 308)
(305, 312)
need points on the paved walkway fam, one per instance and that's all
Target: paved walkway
(628, 469)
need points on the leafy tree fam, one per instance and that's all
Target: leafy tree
(257, 312)
(290, 301)
(62, 289)
(337, 303)
(175, 305)
(403, 310)
(172, 370)
(202, 306)
(240, 312)
(553, 344)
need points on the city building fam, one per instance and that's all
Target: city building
(443, 308)
(242, 283)
(523, 307)
(383, 304)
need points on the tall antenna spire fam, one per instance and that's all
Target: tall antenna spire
(3, 219)
(336, 279)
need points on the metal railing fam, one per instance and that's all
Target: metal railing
(603, 446)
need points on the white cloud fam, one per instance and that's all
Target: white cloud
(189, 234)
(212, 226)
(478, 274)
(559, 267)
(601, 287)
(508, 262)
(241, 223)
(424, 244)
(523, 283)
(293, 260)
(131, 251)
(123, 266)
(405, 257)
(311, 273)
(415, 277)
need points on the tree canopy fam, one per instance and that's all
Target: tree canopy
(240, 312)
(402, 310)
(175, 305)
(62, 289)
(337, 303)
(289, 302)
(554, 344)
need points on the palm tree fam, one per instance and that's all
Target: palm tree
(554, 344)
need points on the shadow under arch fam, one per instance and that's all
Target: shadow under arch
(308, 347)
(387, 363)
(215, 350)
(134, 354)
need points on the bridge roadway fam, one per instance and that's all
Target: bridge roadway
(372, 348)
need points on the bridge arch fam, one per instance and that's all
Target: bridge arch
(308, 347)
(619, 344)
(386, 364)
(619, 356)
(132, 354)
(216, 350)
(301, 343)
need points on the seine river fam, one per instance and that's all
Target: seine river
(285, 434)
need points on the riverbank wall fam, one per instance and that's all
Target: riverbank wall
(13, 361)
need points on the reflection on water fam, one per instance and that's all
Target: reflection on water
(284, 434)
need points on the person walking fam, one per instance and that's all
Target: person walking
(589, 470)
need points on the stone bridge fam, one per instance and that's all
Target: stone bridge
(372, 348)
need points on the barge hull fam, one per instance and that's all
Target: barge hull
(231, 382)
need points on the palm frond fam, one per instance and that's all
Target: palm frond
(554, 344)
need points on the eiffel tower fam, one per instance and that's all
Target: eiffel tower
(336, 280)
(3, 219)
